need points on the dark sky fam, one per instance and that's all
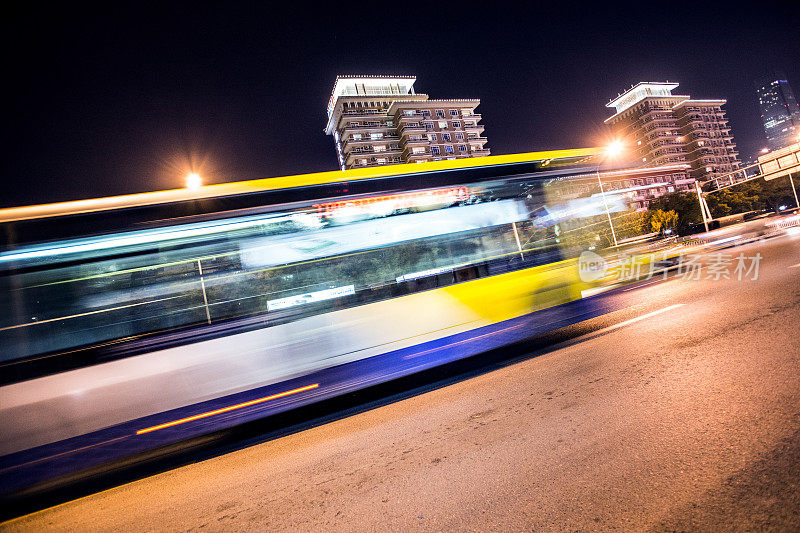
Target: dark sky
(113, 100)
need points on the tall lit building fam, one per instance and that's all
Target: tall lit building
(665, 129)
(380, 120)
(780, 113)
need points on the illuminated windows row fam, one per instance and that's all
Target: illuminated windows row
(448, 149)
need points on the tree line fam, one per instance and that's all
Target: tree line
(752, 196)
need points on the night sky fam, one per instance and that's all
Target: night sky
(114, 100)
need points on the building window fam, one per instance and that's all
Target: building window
(440, 113)
(376, 135)
(448, 149)
(456, 124)
(356, 136)
(454, 112)
(432, 137)
(442, 124)
(446, 137)
(459, 136)
(462, 148)
(426, 112)
(408, 112)
(435, 150)
(429, 126)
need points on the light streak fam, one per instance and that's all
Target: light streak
(226, 409)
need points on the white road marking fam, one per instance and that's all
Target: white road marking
(638, 318)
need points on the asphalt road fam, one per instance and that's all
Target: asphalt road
(679, 412)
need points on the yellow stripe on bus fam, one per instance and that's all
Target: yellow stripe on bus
(284, 182)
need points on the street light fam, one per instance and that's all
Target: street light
(193, 180)
(614, 149)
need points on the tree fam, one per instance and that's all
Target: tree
(730, 202)
(661, 220)
(752, 195)
(684, 205)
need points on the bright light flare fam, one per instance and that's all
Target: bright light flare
(614, 149)
(194, 181)
(764, 150)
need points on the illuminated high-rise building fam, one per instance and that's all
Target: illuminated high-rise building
(780, 113)
(381, 120)
(666, 129)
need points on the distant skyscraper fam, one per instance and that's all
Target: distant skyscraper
(380, 120)
(780, 113)
(667, 129)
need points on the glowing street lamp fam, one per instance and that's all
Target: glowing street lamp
(614, 149)
(764, 150)
(193, 181)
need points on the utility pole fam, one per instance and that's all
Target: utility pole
(794, 191)
(700, 200)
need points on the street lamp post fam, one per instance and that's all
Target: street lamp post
(605, 203)
(612, 150)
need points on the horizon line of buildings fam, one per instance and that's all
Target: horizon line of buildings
(675, 139)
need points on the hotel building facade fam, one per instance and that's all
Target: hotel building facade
(381, 120)
(667, 129)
